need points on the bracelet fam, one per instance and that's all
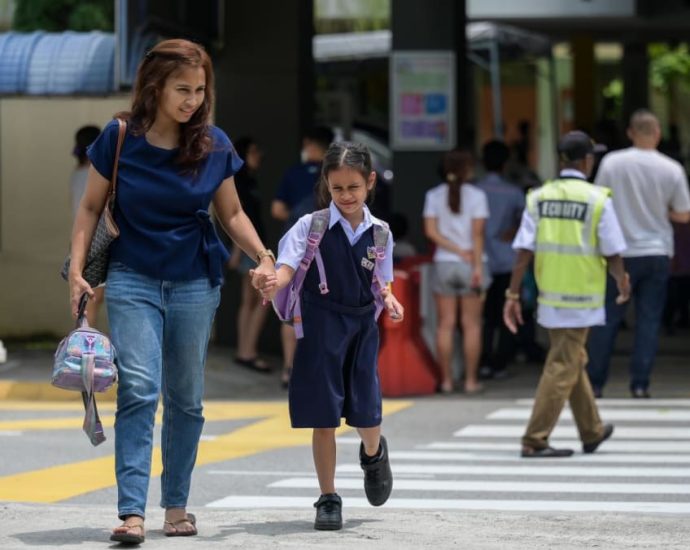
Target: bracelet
(515, 296)
(261, 254)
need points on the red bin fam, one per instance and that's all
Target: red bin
(406, 366)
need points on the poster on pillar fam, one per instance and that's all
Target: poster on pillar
(422, 100)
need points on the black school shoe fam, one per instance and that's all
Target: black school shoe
(329, 516)
(378, 478)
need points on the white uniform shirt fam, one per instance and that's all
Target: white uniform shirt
(456, 227)
(611, 242)
(293, 245)
(646, 185)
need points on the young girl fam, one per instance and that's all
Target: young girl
(334, 373)
(165, 270)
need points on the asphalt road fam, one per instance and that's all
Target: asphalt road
(458, 480)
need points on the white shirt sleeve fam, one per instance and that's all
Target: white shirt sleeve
(293, 245)
(602, 178)
(387, 264)
(526, 236)
(611, 240)
(680, 201)
(481, 210)
(430, 209)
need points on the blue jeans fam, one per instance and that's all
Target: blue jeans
(648, 277)
(160, 330)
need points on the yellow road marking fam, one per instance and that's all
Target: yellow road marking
(66, 481)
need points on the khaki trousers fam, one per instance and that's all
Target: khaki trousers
(564, 379)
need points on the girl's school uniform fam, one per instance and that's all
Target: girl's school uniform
(335, 366)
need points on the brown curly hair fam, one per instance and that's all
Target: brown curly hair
(162, 61)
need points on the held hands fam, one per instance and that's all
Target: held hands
(394, 308)
(77, 287)
(623, 289)
(476, 281)
(264, 279)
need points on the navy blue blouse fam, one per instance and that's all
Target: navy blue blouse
(165, 229)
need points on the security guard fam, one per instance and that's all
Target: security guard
(570, 228)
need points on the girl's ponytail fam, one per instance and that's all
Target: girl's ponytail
(457, 165)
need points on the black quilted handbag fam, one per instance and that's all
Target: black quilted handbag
(96, 264)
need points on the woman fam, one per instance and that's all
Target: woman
(454, 217)
(252, 314)
(165, 270)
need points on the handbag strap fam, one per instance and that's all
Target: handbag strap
(120, 140)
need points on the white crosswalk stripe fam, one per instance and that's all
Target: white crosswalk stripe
(643, 469)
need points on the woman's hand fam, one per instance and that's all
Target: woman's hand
(77, 287)
(394, 308)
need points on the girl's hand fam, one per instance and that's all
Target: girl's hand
(77, 287)
(394, 308)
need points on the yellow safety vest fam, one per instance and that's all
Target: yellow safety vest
(569, 269)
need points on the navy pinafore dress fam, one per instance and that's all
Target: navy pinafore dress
(335, 367)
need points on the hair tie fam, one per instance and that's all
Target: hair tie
(149, 54)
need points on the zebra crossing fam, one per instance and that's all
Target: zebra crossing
(644, 468)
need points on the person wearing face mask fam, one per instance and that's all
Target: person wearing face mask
(296, 196)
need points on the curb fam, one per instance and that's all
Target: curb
(12, 390)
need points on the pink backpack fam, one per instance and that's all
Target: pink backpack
(287, 303)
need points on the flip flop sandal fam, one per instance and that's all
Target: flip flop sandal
(253, 364)
(127, 537)
(191, 519)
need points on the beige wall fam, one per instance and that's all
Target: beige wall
(36, 141)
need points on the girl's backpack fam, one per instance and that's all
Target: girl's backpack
(85, 362)
(287, 302)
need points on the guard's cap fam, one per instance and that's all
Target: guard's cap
(577, 145)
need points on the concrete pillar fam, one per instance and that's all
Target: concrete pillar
(423, 25)
(583, 81)
(265, 88)
(635, 79)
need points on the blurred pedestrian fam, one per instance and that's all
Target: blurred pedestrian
(296, 196)
(455, 214)
(335, 365)
(165, 270)
(650, 190)
(84, 137)
(251, 314)
(569, 227)
(506, 203)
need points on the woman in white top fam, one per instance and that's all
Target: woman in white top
(454, 217)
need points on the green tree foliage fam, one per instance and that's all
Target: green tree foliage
(668, 64)
(62, 15)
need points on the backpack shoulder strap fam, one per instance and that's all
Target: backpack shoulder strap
(319, 225)
(381, 234)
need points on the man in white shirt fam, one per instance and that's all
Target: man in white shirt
(568, 227)
(650, 190)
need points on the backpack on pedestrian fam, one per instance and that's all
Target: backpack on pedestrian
(287, 301)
